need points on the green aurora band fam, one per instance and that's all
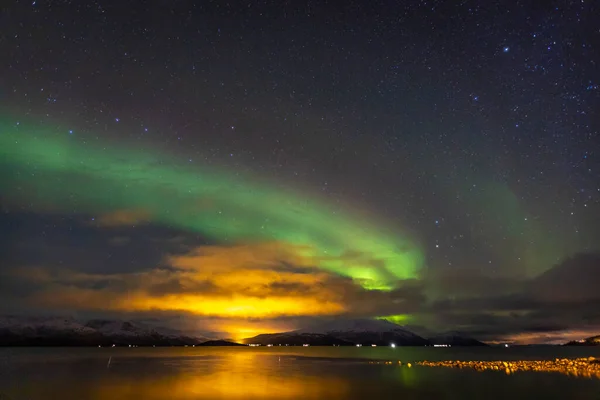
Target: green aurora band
(48, 169)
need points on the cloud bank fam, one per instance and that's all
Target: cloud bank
(251, 288)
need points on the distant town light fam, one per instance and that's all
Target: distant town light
(393, 345)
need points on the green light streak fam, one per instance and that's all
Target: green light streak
(504, 219)
(46, 169)
(399, 319)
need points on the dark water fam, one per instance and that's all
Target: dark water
(279, 373)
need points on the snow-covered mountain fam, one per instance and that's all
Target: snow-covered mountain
(353, 325)
(57, 331)
(32, 325)
(128, 328)
(296, 339)
(350, 332)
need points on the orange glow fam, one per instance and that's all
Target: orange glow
(239, 329)
(264, 255)
(237, 306)
(232, 283)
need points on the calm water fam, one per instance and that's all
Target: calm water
(278, 373)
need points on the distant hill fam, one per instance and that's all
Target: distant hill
(296, 339)
(53, 331)
(344, 333)
(591, 341)
(455, 339)
(220, 343)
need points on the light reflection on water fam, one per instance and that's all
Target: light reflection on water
(248, 373)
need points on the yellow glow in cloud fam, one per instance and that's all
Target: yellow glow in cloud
(236, 306)
(246, 281)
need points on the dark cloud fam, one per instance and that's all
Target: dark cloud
(575, 280)
(123, 218)
(564, 298)
(63, 241)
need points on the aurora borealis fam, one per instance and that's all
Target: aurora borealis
(53, 171)
(252, 169)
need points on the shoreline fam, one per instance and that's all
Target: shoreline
(585, 367)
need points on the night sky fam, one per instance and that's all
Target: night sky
(243, 168)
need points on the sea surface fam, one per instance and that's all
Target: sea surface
(281, 373)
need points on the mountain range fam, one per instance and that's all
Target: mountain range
(55, 331)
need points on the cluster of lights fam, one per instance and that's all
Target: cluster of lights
(586, 367)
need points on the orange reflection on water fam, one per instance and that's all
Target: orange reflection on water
(241, 375)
